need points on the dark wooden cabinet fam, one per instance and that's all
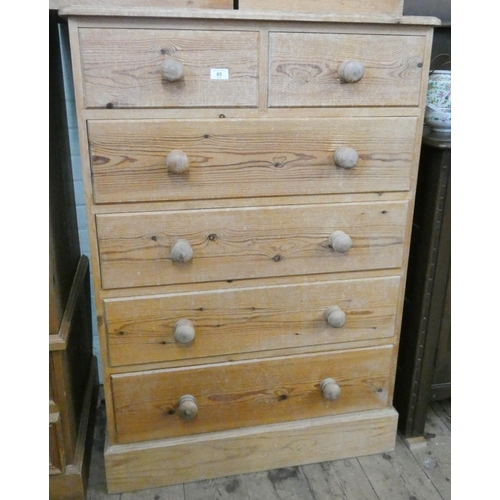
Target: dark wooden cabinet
(424, 363)
(64, 247)
(73, 379)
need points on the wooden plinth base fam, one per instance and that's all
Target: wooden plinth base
(162, 463)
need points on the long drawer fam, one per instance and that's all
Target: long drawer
(141, 249)
(192, 325)
(305, 69)
(233, 158)
(125, 68)
(150, 405)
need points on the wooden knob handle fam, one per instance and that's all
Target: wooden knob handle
(330, 389)
(184, 331)
(351, 71)
(340, 241)
(181, 251)
(177, 162)
(188, 408)
(172, 70)
(346, 157)
(335, 316)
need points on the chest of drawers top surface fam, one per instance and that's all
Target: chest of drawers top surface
(313, 15)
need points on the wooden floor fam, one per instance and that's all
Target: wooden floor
(422, 473)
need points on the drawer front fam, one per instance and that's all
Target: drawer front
(150, 329)
(304, 69)
(241, 394)
(122, 68)
(227, 244)
(230, 158)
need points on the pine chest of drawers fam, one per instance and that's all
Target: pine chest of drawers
(250, 181)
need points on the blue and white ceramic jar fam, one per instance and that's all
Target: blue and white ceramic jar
(438, 104)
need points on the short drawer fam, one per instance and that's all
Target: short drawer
(192, 246)
(150, 405)
(224, 322)
(128, 68)
(305, 69)
(231, 158)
